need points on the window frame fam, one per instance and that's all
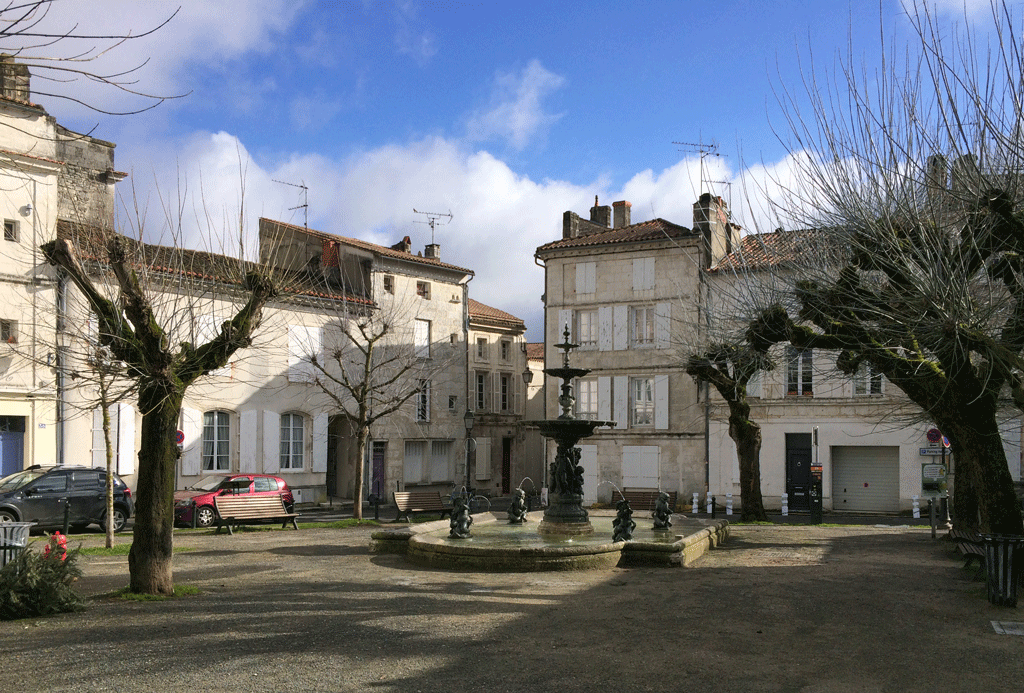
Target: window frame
(287, 458)
(9, 331)
(422, 400)
(216, 455)
(587, 338)
(649, 339)
(480, 391)
(641, 402)
(11, 230)
(587, 399)
(867, 382)
(421, 347)
(423, 289)
(799, 372)
(389, 283)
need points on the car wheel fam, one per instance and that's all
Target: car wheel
(120, 519)
(7, 517)
(204, 516)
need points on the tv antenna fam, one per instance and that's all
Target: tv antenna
(305, 200)
(705, 149)
(432, 218)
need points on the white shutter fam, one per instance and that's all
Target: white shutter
(495, 392)
(564, 318)
(650, 467)
(620, 401)
(99, 447)
(412, 466)
(271, 442)
(588, 460)
(604, 398)
(320, 443)
(630, 466)
(586, 277)
(483, 459)
(754, 385)
(661, 402)
(621, 327)
(247, 421)
(125, 438)
(440, 460)
(662, 325)
(604, 328)
(192, 447)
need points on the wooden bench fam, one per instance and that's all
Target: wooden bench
(419, 502)
(970, 545)
(236, 510)
(647, 498)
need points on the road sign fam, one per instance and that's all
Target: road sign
(933, 435)
(931, 451)
(179, 437)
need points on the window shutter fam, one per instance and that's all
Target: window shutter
(661, 402)
(412, 468)
(320, 443)
(588, 460)
(604, 398)
(620, 401)
(99, 447)
(271, 442)
(192, 447)
(495, 392)
(754, 385)
(604, 328)
(630, 466)
(662, 325)
(247, 442)
(483, 459)
(125, 438)
(650, 468)
(564, 318)
(620, 327)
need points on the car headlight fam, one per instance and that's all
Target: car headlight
(184, 503)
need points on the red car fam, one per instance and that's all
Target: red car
(198, 499)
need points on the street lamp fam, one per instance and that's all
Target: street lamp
(468, 419)
(527, 376)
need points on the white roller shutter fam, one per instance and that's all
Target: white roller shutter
(866, 478)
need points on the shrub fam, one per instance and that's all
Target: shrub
(35, 584)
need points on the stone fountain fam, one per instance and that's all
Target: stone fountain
(565, 515)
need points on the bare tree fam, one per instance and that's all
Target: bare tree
(915, 267)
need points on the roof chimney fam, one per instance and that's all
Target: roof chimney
(601, 215)
(433, 250)
(403, 246)
(14, 79)
(621, 209)
(711, 222)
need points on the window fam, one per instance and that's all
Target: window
(643, 274)
(421, 339)
(799, 380)
(481, 348)
(481, 391)
(423, 401)
(440, 460)
(412, 467)
(264, 484)
(505, 383)
(292, 441)
(586, 329)
(867, 381)
(453, 402)
(642, 396)
(423, 290)
(8, 331)
(10, 230)
(506, 351)
(427, 461)
(389, 283)
(641, 326)
(586, 277)
(586, 399)
(216, 446)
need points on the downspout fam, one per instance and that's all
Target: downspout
(544, 384)
(465, 341)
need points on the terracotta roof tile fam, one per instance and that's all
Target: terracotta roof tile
(535, 351)
(486, 313)
(765, 250)
(653, 230)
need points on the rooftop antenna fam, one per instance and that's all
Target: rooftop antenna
(432, 218)
(705, 149)
(305, 201)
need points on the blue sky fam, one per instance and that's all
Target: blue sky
(507, 114)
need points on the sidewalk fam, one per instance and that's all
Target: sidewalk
(777, 608)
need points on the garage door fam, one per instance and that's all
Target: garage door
(866, 478)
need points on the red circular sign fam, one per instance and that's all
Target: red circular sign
(179, 437)
(934, 435)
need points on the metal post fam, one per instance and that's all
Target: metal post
(67, 515)
(931, 515)
(728, 504)
(696, 504)
(713, 508)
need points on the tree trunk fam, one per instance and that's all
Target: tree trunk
(149, 560)
(984, 498)
(108, 448)
(357, 493)
(746, 434)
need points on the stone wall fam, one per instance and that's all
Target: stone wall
(86, 179)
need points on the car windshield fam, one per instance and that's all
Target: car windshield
(209, 483)
(16, 481)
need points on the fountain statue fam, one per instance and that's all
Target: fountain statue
(460, 519)
(623, 524)
(565, 514)
(662, 512)
(517, 509)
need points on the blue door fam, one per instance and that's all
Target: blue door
(12, 452)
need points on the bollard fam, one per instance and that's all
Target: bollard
(67, 516)
(931, 515)
(785, 504)
(917, 507)
(713, 508)
(709, 500)
(728, 504)
(696, 504)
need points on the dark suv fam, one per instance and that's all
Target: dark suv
(41, 494)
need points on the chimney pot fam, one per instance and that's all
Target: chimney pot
(622, 213)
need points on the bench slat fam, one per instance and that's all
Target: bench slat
(419, 501)
(238, 509)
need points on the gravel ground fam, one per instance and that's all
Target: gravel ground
(777, 608)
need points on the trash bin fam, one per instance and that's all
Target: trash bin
(13, 539)
(1004, 558)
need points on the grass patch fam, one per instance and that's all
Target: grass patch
(179, 591)
(121, 550)
(340, 524)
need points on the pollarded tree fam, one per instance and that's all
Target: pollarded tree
(136, 292)
(917, 266)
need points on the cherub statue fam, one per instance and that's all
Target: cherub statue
(461, 519)
(623, 525)
(517, 509)
(662, 512)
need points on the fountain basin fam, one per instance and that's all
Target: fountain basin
(496, 546)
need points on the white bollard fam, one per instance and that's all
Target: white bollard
(708, 499)
(917, 507)
(696, 504)
(785, 504)
(728, 504)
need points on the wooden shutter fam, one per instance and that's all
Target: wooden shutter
(483, 459)
(661, 402)
(320, 443)
(620, 327)
(247, 421)
(620, 401)
(271, 442)
(604, 398)
(125, 438)
(192, 447)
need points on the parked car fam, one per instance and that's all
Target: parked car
(198, 498)
(43, 494)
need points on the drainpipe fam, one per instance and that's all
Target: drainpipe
(465, 341)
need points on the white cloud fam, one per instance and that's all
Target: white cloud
(515, 112)
(410, 38)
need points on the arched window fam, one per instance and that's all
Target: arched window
(216, 441)
(293, 441)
